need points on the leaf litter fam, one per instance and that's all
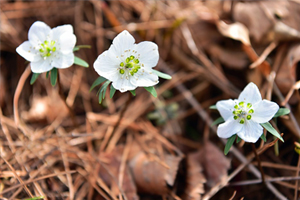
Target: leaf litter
(212, 49)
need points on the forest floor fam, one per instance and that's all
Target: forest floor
(164, 147)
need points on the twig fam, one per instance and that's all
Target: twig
(297, 176)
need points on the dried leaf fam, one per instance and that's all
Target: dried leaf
(151, 176)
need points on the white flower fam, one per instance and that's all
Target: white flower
(244, 115)
(128, 65)
(47, 48)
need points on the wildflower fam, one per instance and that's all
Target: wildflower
(48, 48)
(128, 65)
(244, 115)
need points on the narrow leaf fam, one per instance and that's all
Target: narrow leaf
(162, 75)
(263, 137)
(112, 91)
(34, 77)
(213, 107)
(47, 74)
(238, 139)
(132, 92)
(98, 81)
(218, 121)
(229, 143)
(53, 76)
(151, 90)
(272, 130)
(79, 61)
(102, 91)
(81, 46)
(282, 111)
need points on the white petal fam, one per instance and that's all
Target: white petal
(251, 131)
(226, 107)
(144, 79)
(107, 66)
(27, 51)
(60, 30)
(149, 55)
(123, 85)
(63, 60)
(38, 33)
(41, 66)
(123, 41)
(228, 128)
(67, 43)
(250, 94)
(264, 111)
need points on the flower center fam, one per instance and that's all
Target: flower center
(131, 65)
(47, 48)
(242, 112)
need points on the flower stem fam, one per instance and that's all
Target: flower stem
(63, 98)
(18, 91)
(122, 113)
(259, 163)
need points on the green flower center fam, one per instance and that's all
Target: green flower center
(47, 48)
(242, 112)
(131, 65)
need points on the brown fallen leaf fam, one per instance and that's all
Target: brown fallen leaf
(214, 162)
(151, 176)
(195, 178)
(111, 178)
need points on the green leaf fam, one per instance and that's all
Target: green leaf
(282, 111)
(238, 139)
(53, 76)
(229, 143)
(151, 90)
(218, 121)
(81, 46)
(162, 75)
(103, 91)
(80, 62)
(272, 130)
(34, 77)
(213, 107)
(47, 74)
(263, 137)
(132, 92)
(98, 81)
(112, 91)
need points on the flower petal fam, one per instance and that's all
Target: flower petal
(38, 33)
(67, 43)
(60, 30)
(123, 84)
(250, 94)
(264, 111)
(107, 67)
(145, 78)
(41, 66)
(149, 55)
(229, 128)
(63, 60)
(225, 107)
(27, 51)
(122, 42)
(251, 131)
